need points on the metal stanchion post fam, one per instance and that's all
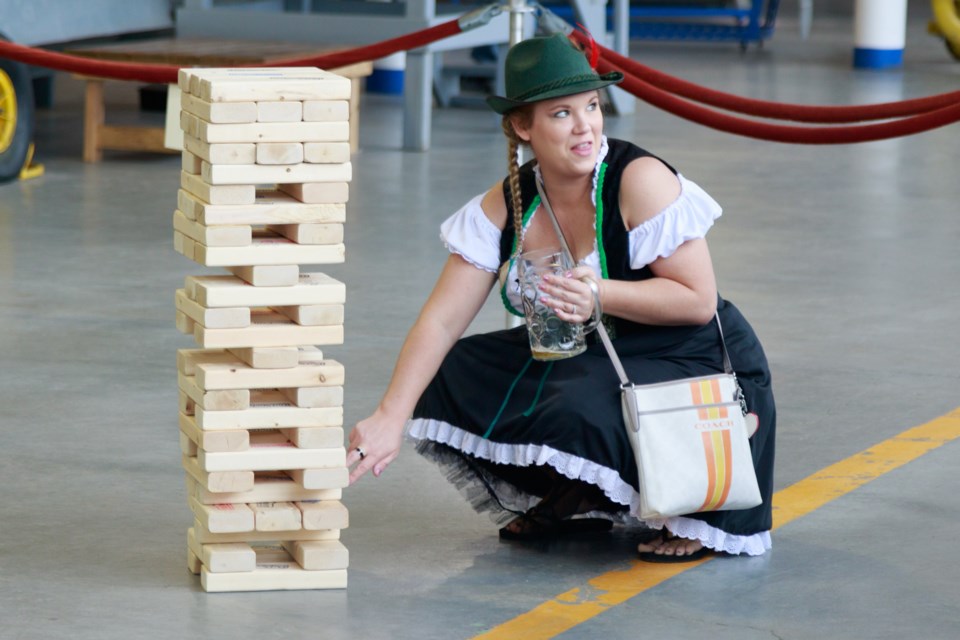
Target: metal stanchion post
(517, 10)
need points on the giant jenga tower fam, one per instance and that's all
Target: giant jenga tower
(266, 165)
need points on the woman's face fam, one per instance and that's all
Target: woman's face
(565, 133)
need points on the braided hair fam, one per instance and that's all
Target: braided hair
(524, 116)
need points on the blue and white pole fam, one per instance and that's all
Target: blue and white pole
(879, 33)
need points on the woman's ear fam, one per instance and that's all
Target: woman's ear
(520, 128)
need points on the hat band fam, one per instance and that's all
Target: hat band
(556, 84)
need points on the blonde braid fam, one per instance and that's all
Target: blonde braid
(513, 145)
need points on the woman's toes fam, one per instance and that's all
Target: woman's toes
(689, 547)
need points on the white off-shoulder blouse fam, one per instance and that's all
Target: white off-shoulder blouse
(471, 235)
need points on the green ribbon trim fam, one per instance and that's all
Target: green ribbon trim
(600, 249)
(536, 397)
(526, 218)
(506, 399)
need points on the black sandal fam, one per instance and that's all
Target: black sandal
(540, 524)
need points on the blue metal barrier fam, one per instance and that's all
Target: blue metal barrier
(690, 20)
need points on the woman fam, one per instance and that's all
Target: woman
(545, 441)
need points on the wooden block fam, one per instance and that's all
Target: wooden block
(326, 110)
(268, 250)
(185, 324)
(193, 563)
(279, 153)
(183, 245)
(219, 318)
(230, 174)
(229, 557)
(238, 84)
(279, 111)
(279, 77)
(223, 481)
(187, 359)
(274, 412)
(223, 194)
(223, 518)
(229, 400)
(319, 555)
(273, 577)
(267, 357)
(220, 236)
(205, 536)
(227, 291)
(283, 457)
(268, 330)
(277, 516)
(326, 152)
(314, 315)
(227, 440)
(313, 397)
(238, 375)
(219, 112)
(283, 275)
(270, 207)
(264, 131)
(314, 437)
(183, 81)
(268, 486)
(310, 233)
(190, 163)
(330, 478)
(187, 446)
(186, 405)
(224, 153)
(324, 514)
(317, 192)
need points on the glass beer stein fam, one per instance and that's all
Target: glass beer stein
(550, 337)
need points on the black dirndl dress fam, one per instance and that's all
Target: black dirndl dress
(493, 418)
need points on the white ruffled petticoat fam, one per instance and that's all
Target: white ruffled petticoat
(575, 468)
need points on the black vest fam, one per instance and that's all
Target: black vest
(613, 241)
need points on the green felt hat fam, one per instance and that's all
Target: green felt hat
(550, 67)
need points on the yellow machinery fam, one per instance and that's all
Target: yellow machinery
(16, 123)
(946, 24)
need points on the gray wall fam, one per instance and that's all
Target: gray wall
(40, 22)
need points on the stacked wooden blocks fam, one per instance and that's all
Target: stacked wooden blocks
(266, 166)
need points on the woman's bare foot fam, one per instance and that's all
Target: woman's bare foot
(671, 546)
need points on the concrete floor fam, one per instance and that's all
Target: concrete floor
(845, 258)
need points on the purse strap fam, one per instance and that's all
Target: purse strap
(601, 329)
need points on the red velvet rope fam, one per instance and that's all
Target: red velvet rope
(167, 74)
(783, 133)
(376, 51)
(775, 110)
(924, 113)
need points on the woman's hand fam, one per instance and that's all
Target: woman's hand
(569, 296)
(374, 444)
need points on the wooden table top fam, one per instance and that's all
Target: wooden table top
(211, 52)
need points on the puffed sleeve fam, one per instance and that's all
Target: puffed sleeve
(688, 217)
(471, 235)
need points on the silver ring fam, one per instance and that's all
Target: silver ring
(360, 452)
(574, 312)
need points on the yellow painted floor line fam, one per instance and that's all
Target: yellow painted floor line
(576, 606)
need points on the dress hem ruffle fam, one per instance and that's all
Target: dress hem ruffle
(575, 468)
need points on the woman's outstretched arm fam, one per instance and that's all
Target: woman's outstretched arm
(455, 300)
